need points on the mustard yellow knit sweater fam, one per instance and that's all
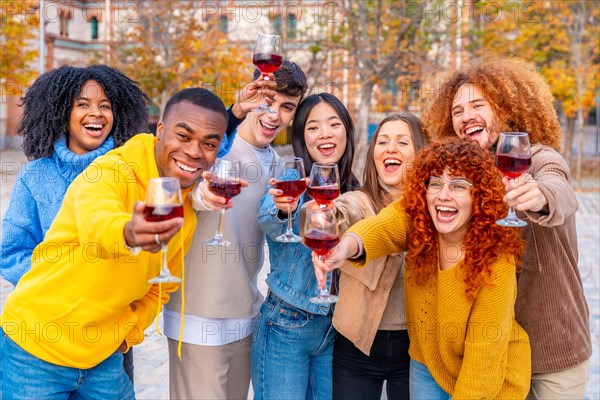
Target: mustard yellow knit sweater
(473, 349)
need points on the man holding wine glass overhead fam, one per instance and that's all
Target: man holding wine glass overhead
(506, 95)
(222, 297)
(70, 342)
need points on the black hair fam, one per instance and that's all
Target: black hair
(199, 97)
(48, 102)
(290, 78)
(348, 180)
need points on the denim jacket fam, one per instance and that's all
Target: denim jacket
(292, 276)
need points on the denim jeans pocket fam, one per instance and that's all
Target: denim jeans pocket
(285, 316)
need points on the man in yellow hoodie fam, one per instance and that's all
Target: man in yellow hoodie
(87, 299)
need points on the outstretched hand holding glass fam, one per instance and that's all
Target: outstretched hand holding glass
(163, 202)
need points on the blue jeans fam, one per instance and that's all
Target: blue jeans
(292, 353)
(422, 386)
(25, 376)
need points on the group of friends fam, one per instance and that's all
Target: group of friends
(435, 299)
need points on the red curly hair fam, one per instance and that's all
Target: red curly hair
(518, 95)
(485, 241)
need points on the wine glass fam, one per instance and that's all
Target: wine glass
(267, 58)
(324, 184)
(513, 157)
(163, 202)
(288, 176)
(321, 235)
(225, 182)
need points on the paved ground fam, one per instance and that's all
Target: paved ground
(151, 365)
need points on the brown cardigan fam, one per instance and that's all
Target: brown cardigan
(551, 305)
(364, 292)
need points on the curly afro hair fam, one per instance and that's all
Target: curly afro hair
(518, 95)
(485, 241)
(48, 102)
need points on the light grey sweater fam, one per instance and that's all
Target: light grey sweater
(221, 282)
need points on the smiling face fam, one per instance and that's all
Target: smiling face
(473, 117)
(393, 152)
(450, 205)
(260, 128)
(324, 134)
(189, 139)
(91, 119)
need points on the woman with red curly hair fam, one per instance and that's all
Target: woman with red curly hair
(460, 280)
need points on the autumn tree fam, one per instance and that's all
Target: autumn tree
(382, 39)
(561, 37)
(172, 47)
(380, 46)
(18, 26)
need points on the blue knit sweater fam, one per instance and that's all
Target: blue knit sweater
(35, 200)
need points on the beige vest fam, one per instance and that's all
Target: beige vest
(221, 282)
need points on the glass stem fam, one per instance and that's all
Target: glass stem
(219, 233)
(323, 290)
(289, 231)
(165, 269)
(511, 213)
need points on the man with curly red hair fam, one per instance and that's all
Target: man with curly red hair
(460, 280)
(478, 102)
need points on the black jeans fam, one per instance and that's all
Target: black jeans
(358, 376)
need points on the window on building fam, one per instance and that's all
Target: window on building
(277, 25)
(64, 24)
(94, 23)
(292, 26)
(223, 27)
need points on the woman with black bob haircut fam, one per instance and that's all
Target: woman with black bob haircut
(301, 149)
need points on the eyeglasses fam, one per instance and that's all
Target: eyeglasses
(458, 187)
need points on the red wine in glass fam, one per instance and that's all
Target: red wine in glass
(267, 63)
(291, 188)
(163, 202)
(512, 166)
(287, 175)
(267, 58)
(162, 212)
(320, 242)
(225, 183)
(321, 235)
(225, 188)
(324, 184)
(513, 157)
(324, 194)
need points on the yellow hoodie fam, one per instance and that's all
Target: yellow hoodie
(86, 293)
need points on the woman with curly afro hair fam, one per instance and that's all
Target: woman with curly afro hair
(478, 102)
(460, 282)
(71, 116)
